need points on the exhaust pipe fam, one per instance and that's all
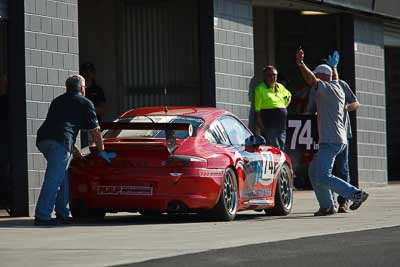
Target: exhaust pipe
(176, 206)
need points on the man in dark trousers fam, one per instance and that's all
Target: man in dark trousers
(271, 100)
(56, 139)
(330, 99)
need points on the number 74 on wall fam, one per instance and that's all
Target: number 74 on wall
(302, 134)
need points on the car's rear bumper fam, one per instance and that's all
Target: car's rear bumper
(148, 192)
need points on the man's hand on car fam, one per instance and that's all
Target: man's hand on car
(107, 156)
(76, 153)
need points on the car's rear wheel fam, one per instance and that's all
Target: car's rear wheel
(283, 193)
(79, 210)
(227, 205)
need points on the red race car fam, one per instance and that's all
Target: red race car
(181, 160)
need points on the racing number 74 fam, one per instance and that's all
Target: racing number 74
(302, 132)
(268, 167)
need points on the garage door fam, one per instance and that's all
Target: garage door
(159, 49)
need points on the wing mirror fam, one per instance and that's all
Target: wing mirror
(255, 141)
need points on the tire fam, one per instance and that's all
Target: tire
(227, 205)
(79, 210)
(283, 194)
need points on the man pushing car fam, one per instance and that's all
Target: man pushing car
(68, 113)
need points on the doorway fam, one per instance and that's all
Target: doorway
(392, 72)
(147, 53)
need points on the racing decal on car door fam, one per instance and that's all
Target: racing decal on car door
(259, 168)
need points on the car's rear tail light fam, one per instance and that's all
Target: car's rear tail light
(186, 161)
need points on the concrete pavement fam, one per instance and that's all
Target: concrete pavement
(130, 238)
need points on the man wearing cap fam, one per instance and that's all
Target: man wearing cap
(330, 100)
(56, 137)
(271, 100)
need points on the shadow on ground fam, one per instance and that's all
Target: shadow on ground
(137, 219)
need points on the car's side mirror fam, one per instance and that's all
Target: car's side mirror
(255, 141)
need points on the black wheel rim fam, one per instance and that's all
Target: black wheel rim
(285, 188)
(230, 192)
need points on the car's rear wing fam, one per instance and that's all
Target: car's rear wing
(169, 129)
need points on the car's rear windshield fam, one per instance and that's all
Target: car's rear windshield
(180, 134)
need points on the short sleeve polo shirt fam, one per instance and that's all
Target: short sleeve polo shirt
(350, 98)
(266, 98)
(272, 105)
(67, 114)
(330, 108)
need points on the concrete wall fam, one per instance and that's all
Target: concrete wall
(371, 116)
(51, 55)
(234, 55)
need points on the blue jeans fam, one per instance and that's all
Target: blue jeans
(342, 169)
(322, 180)
(276, 138)
(55, 185)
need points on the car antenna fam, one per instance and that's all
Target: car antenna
(165, 100)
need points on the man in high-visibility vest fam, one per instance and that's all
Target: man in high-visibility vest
(271, 100)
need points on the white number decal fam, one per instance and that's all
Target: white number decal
(297, 125)
(268, 168)
(304, 137)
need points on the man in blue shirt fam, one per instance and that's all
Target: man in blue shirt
(68, 113)
(330, 101)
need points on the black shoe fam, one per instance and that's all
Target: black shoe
(40, 222)
(325, 212)
(65, 220)
(358, 199)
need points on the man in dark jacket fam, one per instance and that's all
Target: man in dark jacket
(56, 139)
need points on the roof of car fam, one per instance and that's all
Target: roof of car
(200, 112)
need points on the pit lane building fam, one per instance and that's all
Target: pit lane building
(205, 52)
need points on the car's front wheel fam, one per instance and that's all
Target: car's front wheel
(227, 205)
(283, 193)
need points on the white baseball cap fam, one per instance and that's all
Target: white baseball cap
(324, 69)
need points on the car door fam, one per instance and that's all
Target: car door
(248, 162)
(257, 163)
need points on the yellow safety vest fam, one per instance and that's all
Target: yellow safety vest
(266, 98)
